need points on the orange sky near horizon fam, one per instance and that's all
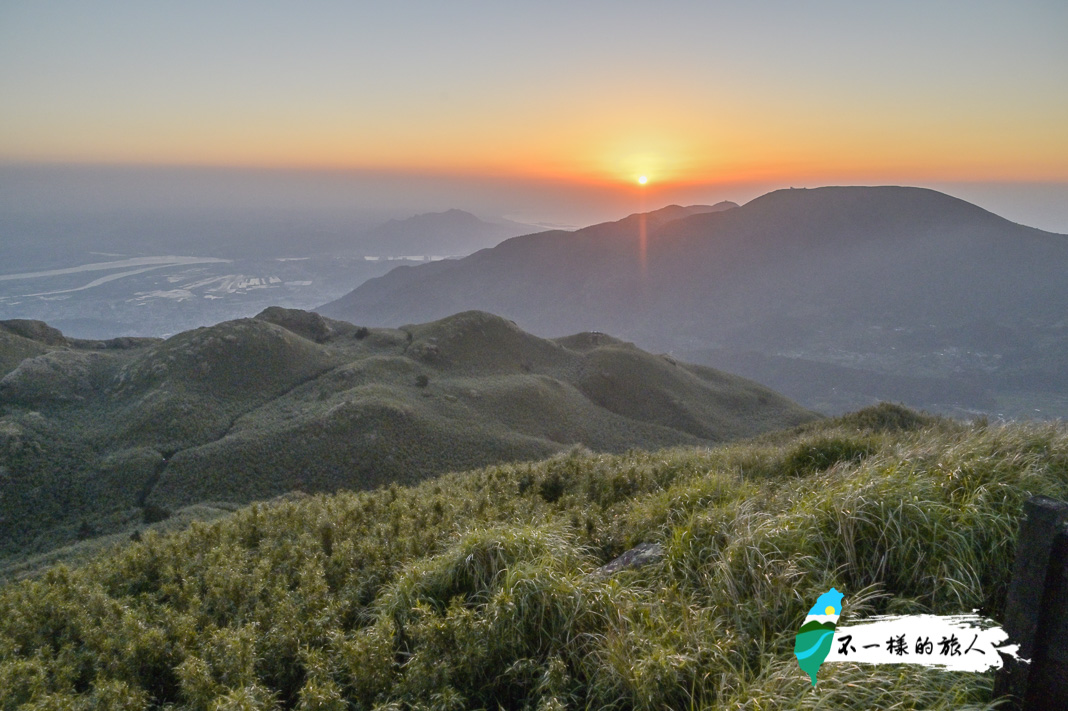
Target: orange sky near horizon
(964, 91)
(737, 156)
(602, 149)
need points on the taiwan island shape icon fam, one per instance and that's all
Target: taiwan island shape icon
(814, 639)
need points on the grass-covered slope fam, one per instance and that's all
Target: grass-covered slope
(101, 437)
(482, 590)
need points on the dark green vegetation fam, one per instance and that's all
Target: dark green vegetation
(105, 437)
(836, 297)
(480, 590)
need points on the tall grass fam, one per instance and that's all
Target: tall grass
(480, 590)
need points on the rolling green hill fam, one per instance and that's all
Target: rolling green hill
(102, 437)
(488, 589)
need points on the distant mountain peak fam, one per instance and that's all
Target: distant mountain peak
(658, 218)
(872, 280)
(448, 233)
(452, 214)
(856, 197)
(674, 212)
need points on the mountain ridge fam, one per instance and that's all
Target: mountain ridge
(896, 281)
(97, 440)
(447, 233)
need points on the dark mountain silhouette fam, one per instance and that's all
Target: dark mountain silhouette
(101, 436)
(449, 233)
(885, 281)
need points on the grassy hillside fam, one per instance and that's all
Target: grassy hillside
(482, 590)
(100, 438)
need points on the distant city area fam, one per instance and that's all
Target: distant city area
(156, 273)
(179, 293)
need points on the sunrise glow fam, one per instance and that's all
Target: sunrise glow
(495, 103)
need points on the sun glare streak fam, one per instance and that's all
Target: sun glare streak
(643, 247)
(643, 241)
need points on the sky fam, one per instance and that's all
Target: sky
(720, 99)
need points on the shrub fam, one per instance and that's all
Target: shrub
(824, 452)
(552, 488)
(888, 417)
(154, 514)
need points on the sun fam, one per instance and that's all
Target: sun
(642, 180)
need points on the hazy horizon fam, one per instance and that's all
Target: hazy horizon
(372, 197)
(593, 93)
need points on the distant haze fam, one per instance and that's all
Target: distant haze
(362, 199)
